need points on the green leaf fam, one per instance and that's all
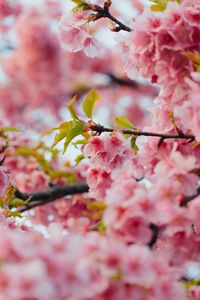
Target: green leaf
(13, 203)
(101, 227)
(64, 128)
(72, 109)
(96, 205)
(89, 102)
(8, 129)
(127, 136)
(80, 142)
(75, 129)
(124, 122)
(80, 4)
(2, 203)
(178, 130)
(192, 282)
(79, 158)
(133, 144)
(161, 5)
(68, 131)
(13, 214)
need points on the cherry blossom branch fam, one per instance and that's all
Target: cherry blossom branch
(123, 82)
(100, 129)
(155, 229)
(104, 12)
(118, 81)
(46, 196)
(40, 198)
(155, 232)
(188, 199)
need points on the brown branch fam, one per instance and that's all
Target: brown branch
(118, 81)
(188, 199)
(104, 12)
(123, 82)
(52, 194)
(100, 129)
(155, 232)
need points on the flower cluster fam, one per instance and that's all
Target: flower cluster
(106, 154)
(75, 35)
(80, 267)
(160, 44)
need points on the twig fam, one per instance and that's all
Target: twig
(52, 194)
(100, 129)
(104, 12)
(188, 199)
(155, 231)
(123, 82)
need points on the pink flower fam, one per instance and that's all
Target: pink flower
(74, 35)
(161, 40)
(99, 181)
(91, 47)
(109, 151)
(72, 39)
(8, 8)
(189, 114)
(5, 180)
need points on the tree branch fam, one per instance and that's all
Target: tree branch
(117, 81)
(100, 129)
(123, 82)
(155, 232)
(52, 194)
(188, 199)
(104, 12)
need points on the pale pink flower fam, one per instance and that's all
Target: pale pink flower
(72, 32)
(5, 180)
(99, 181)
(91, 47)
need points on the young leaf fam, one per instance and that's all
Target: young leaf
(96, 205)
(178, 130)
(80, 142)
(133, 144)
(63, 130)
(101, 227)
(124, 122)
(13, 203)
(80, 4)
(89, 102)
(68, 131)
(75, 129)
(79, 158)
(72, 109)
(161, 5)
(8, 129)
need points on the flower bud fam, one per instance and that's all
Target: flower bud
(107, 3)
(95, 7)
(93, 17)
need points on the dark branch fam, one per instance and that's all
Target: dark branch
(52, 194)
(155, 231)
(133, 84)
(117, 81)
(100, 129)
(123, 82)
(104, 12)
(188, 199)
